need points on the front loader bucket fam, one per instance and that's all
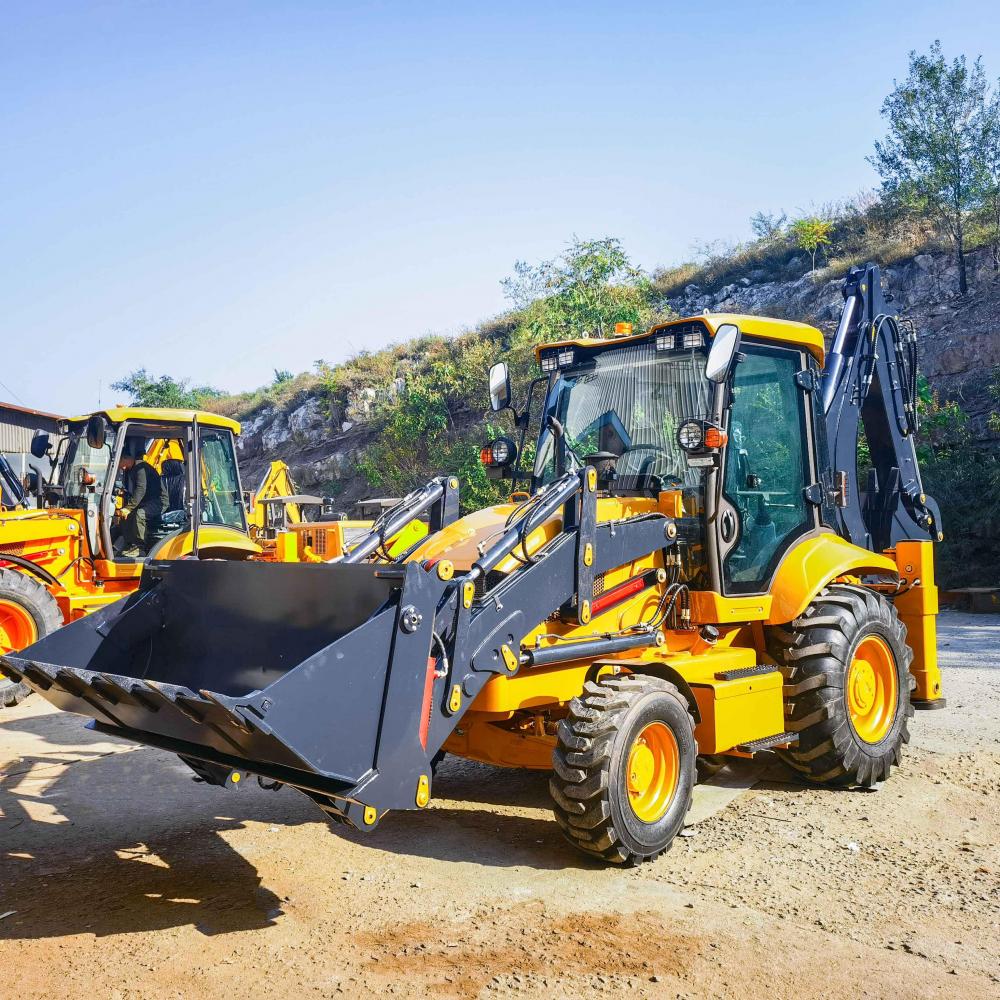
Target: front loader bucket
(279, 670)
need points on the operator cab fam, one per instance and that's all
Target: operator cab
(713, 419)
(92, 470)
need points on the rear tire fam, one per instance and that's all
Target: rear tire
(847, 686)
(624, 768)
(28, 612)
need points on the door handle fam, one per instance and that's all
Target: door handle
(728, 526)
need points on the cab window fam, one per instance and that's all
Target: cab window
(767, 462)
(222, 503)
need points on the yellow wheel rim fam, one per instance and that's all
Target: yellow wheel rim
(872, 690)
(17, 627)
(654, 765)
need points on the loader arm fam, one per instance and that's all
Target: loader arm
(870, 384)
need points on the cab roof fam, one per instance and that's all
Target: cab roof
(162, 415)
(780, 330)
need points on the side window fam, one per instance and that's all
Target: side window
(222, 501)
(767, 466)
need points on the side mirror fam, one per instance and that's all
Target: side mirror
(248, 501)
(725, 344)
(97, 431)
(500, 386)
(39, 444)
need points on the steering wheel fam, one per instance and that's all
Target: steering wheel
(669, 481)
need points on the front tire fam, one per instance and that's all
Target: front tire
(624, 768)
(847, 686)
(28, 612)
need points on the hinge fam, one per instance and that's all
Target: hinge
(814, 493)
(807, 380)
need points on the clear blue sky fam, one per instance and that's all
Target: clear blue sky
(215, 190)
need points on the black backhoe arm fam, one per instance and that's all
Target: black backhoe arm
(870, 382)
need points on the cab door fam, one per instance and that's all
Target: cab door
(767, 468)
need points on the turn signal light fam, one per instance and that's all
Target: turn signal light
(715, 438)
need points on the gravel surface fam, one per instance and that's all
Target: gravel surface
(120, 877)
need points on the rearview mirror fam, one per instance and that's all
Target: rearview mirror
(40, 444)
(97, 431)
(500, 386)
(725, 344)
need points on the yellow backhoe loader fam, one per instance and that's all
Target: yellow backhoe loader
(693, 571)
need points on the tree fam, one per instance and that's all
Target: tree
(991, 156)
(810, 234)
(768, 225)
(933, 153)
(147, 390)
(282, 375)
(585, 292)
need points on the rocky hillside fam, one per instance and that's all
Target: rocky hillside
(959, 336)
(959, 345)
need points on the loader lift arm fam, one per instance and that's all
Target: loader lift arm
(870, 383)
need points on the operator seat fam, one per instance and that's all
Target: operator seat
(172, 478)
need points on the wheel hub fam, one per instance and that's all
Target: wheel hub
(17, 627)
(862, 687)
(652, 772)
(872, 689)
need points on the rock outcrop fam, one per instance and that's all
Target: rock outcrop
(959, 336)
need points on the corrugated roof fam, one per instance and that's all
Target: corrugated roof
(28, 411)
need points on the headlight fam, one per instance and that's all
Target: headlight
(501, 452)
(691, 435)
(700, 435)
(498, 453)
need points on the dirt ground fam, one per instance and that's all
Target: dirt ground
(120, 877)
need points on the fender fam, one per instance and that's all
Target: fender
(210, 536)
(812, 564)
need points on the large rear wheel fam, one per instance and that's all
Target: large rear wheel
(28, 612)
(847, 683)
(624, 768)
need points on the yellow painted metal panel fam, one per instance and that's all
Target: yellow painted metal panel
(738, 711)
(918, 608)
(780, 330)
(813, 563)
(119, 414)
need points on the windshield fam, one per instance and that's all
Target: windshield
(223, 501)
(85, 469)
(620, 411)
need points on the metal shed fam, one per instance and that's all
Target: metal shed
(17, 425)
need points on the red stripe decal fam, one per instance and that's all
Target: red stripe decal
(616, 594)
(425, 708)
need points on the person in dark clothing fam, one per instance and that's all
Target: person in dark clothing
(143, 506)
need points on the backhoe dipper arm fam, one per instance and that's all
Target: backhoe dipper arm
(870, 382)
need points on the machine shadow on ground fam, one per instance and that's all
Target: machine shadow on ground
(123, 841)
(106, 842)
